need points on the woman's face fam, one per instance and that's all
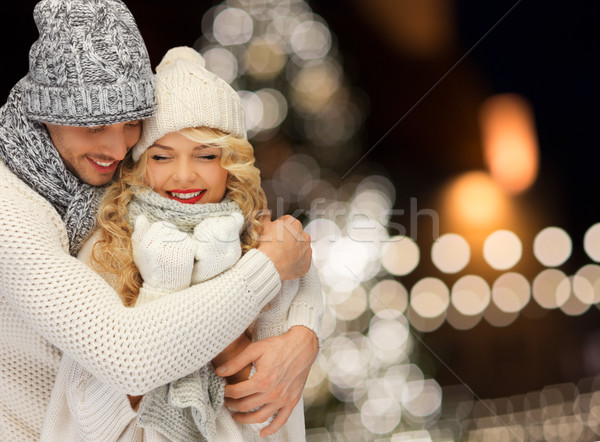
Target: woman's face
(185, 170)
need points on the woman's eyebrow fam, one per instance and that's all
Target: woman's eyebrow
(160, 146)
(198, 147)
(206, 146)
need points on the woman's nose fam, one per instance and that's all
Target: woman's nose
(184, 172)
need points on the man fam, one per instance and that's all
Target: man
(63, 131)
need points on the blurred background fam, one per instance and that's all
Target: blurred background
(442, 155)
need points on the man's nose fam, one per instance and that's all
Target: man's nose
(117, 142)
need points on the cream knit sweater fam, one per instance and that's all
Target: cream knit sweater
(52, 303)
(83, 409)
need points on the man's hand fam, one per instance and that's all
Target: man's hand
(282, 365)
(287, 245)
(232, 350)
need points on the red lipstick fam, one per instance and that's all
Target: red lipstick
(192, 200)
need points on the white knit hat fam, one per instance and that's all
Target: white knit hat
(188, 95)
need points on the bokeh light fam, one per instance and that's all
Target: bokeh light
(511, 292)
(253, 109)
(265, 58)
(222, 62)
(552, 246)
(348, 305)
(232, 26)
(499, 318)
(424, 324)
(450, 253)
(380, 416)
(573, 306)
(388, 298)
(303, 117)
(400, 255)
(502, 249)
(551, 288)
(429, 297)
(471, 295)
(311, 40)
(314, 86)
(591, 242)
(586, 284)
(274, 107)
(474, 200)
(422, 400)
(389, 334)
(510, 141)
(461, 321)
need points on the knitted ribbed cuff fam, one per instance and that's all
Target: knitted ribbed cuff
(102, 413)
(94, 105)
(306, 315)
(261, 276)
(148, 293)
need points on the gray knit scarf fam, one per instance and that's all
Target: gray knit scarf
(27, 150)
(186, 409)
(184, 216)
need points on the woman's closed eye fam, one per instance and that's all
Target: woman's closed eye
(159, 157)
(208, 157)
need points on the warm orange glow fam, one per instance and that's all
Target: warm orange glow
(510, 141)
(474, 200)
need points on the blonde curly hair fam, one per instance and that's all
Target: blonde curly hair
(113, 252)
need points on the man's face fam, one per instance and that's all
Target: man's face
(93, 153)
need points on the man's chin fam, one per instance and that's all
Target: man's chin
(97, 179)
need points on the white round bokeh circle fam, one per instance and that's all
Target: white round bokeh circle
(450, 253)
(502, 249)
(552, 246)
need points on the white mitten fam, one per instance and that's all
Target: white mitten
(218, 245)
(163, 254)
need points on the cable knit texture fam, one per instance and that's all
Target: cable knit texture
(89, 66)
(51, 303)
(27, 150)
(189, 95)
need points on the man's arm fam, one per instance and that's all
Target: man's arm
(282, 366)
(134, 350)
(282, 362)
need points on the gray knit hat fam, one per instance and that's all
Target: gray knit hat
(89, 66)
(189, 95)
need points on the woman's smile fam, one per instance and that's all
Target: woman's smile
(189, 196)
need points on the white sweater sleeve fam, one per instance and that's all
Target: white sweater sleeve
(307, 306)
(132, 349)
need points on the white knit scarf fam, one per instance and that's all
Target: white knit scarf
(27, 150)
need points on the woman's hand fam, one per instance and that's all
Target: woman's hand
(282, 366)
